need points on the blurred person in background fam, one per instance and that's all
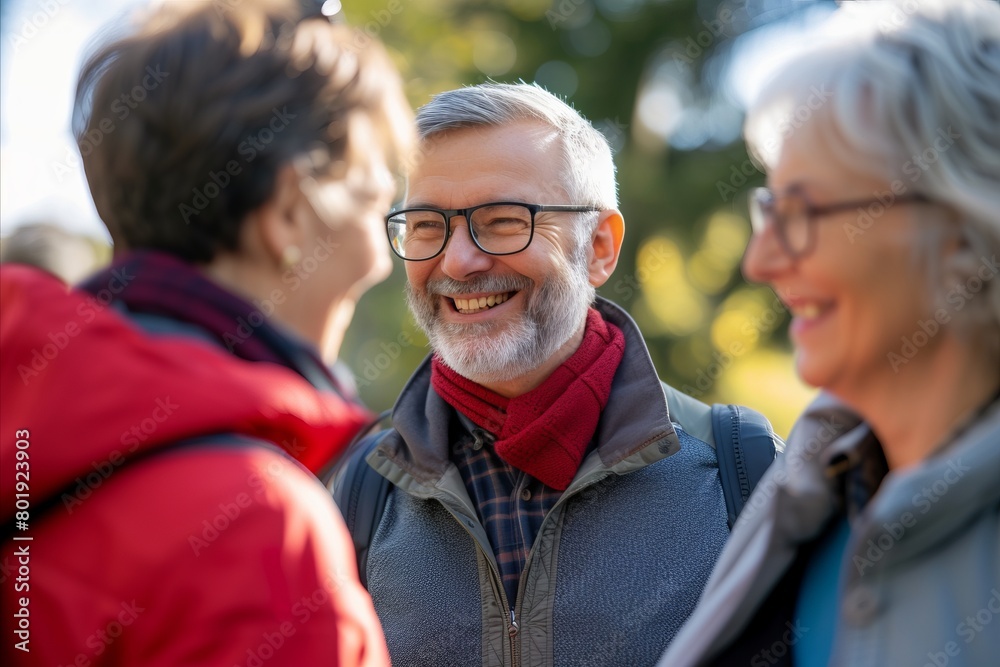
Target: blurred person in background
(876, 539)
(165, 422)
(50, 247)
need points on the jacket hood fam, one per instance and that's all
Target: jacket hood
(90, 392)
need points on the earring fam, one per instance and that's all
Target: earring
(290, 256)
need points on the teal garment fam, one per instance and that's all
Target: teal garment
(816, 608)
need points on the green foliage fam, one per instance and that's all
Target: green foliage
(607, 52)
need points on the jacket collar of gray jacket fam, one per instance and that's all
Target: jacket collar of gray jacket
(635, 417)
(919, 508)
(940, 493)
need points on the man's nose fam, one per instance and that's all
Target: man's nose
(462, 257)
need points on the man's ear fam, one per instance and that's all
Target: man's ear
(606, 244)
(278, 223)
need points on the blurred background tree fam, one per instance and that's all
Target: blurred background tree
(665, 80)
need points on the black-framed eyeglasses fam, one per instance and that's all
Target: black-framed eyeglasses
(497, 228)
(792, 215)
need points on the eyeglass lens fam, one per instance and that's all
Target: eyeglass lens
(789, 214)
(501, 229)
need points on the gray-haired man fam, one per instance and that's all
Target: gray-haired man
(548, 501)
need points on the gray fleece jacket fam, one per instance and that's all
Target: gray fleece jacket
(618, 563)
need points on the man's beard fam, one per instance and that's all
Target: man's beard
(487, 352)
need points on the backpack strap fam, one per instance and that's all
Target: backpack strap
(745, 446)
(360, 493)
(744, 441)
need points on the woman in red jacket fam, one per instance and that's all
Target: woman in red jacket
(159, 428)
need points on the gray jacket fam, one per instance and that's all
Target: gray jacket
(617, 565)
(921, 574)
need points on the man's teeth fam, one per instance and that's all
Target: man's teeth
(466, 306)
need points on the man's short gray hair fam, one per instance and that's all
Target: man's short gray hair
(589, 170)
(908, 91)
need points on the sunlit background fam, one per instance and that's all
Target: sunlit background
(665, 80)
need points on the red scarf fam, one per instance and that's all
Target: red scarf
(544, 432)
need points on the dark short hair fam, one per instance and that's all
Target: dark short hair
(184, 124)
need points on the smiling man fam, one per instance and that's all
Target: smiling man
(551, 501)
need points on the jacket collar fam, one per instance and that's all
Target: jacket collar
(938, 496)
(635, 417)
(945, 492)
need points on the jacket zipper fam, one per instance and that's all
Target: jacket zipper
(483, 437)
(512, 626)
(515, 651)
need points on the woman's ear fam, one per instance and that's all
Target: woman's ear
(277, 225)
(606, 245)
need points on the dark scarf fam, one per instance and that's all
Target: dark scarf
(155, 283)
(544, 432)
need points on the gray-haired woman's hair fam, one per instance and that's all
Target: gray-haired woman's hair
(589, 173)
(908, 91)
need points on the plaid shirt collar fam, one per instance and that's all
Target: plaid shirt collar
(510, 503)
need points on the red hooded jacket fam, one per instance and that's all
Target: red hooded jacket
(122, 548)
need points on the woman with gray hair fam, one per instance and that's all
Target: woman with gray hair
(876, 539)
